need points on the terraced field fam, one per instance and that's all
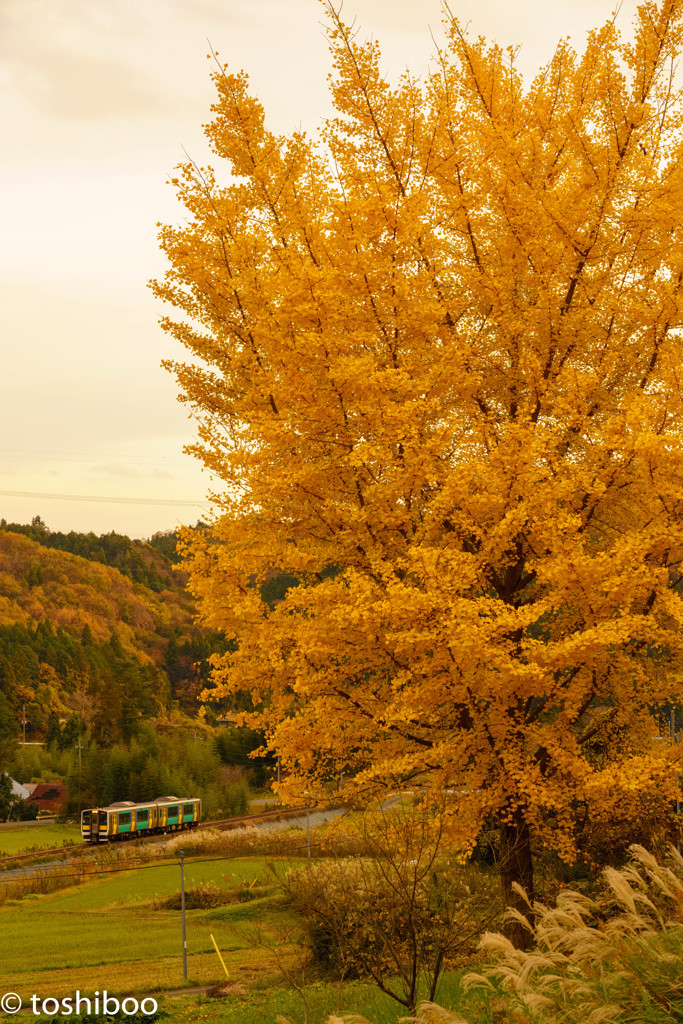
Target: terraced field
(113, 932)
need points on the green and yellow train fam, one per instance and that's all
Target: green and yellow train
(127, 820)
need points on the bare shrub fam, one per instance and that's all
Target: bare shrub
(205, 896)
(208, 895)
(399, 916)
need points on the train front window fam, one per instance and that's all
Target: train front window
(86, 819)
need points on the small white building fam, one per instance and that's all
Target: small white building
(21, 792)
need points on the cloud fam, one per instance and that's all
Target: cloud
(79, 60)
(75, 85)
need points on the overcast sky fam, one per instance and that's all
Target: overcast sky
(97, 100)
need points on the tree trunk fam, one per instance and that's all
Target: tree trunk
(516, 865)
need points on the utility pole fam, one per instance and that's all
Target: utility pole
(182, 911)
(308, 834)
(79, 776)
(674, 739)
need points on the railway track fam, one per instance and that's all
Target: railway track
(224, 824)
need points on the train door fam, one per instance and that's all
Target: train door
(103, 831)
(86, 825)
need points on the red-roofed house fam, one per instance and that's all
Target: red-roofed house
(50, 796)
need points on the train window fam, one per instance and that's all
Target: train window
(188, 808)
(124, 818)
(103, 817)
(173, 811)
(86, 817)
(142, 815)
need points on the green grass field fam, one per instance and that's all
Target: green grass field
(127, 888)
(107, 934)
(315, 1002)
(25, 838)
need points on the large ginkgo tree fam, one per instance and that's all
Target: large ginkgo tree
(436, 365)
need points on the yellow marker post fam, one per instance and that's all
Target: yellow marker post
(219, 956)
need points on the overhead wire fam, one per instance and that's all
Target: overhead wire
(55, 456)
(202, 503)
(61, 456)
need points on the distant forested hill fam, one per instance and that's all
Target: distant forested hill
(96, 628)
(147, 563)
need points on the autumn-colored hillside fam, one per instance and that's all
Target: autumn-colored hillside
(105, 636)
(38, 583)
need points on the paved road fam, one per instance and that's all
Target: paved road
(316, 818)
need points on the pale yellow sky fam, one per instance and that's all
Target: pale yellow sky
(97, 100)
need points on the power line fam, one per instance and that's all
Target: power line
(61, 456)
(110, 499)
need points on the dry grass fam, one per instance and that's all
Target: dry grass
(40, 883)
(249, 841)
(148, 976)
(613, 961)
(592, 963)
(325, 840)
